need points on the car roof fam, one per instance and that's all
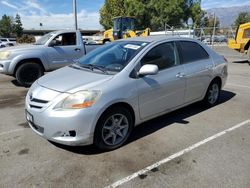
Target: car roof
(157, 38)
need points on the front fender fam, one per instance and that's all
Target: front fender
(22, 57)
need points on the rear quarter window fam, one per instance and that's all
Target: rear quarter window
(192, 51)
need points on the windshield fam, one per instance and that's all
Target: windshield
(117, 24)
(44, 39)
(124, 24)
(113, 56)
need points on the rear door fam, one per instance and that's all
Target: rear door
(165, 90)
(198, 68)
(65, 50)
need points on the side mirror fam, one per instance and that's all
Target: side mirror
(148, 69)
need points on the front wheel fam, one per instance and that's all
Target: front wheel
(213, 93)
(113, 128)
(27, 73)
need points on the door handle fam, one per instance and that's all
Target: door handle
(77, 49)
(180, 75)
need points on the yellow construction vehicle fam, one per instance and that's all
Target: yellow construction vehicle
(241, 42)
(123, 27)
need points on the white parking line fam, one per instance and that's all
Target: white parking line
(238, 85)
(12, 131)
(178, 154)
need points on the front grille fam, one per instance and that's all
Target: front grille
(34, 106)
(37, 103)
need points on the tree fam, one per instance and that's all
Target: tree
(10, 27)
(6, 26)
(111, 9)
(196, 13)
(152, 13)
(167, 12)
(139, 9)
(242, 18)
(18, 26)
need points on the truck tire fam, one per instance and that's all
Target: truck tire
(28, 72)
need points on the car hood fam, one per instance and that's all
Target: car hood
(70, 80)
(22, 47)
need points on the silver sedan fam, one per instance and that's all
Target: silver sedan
(101, 98)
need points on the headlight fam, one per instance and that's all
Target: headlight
(79, 100)
(4, 55)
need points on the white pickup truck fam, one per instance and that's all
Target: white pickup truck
(52, 51)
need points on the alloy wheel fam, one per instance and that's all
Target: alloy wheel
(213, 93)
(115, 129)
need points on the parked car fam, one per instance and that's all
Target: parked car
(5, 42)
(120, 85)
(52, 51)
(1, 45)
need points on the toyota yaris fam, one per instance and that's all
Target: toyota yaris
(101, 98)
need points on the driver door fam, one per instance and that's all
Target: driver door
(64, 50)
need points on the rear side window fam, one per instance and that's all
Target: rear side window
(192, 51)
(163, 55)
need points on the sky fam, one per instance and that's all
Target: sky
(57, 14)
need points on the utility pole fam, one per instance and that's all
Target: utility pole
(75, 13)
(214, 29)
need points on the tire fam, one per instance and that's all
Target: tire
(213, 94)
(113, 128)
(28, 72)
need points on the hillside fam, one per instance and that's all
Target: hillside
(227, 15)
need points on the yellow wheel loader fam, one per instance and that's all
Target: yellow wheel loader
(123, 27)
(241, 42)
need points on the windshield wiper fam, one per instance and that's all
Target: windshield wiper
(92, 67)
(99, 67)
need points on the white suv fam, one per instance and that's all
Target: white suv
(4, 42)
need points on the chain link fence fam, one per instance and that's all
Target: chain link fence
(208, 35)
(214, 35)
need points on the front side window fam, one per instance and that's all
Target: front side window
(163, 55)
(66, 39)
(192, 51)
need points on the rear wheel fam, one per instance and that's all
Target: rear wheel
(113, 128)
(213, 94)
(28, 72)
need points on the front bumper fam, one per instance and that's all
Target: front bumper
(68, 127)
(4, 66)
